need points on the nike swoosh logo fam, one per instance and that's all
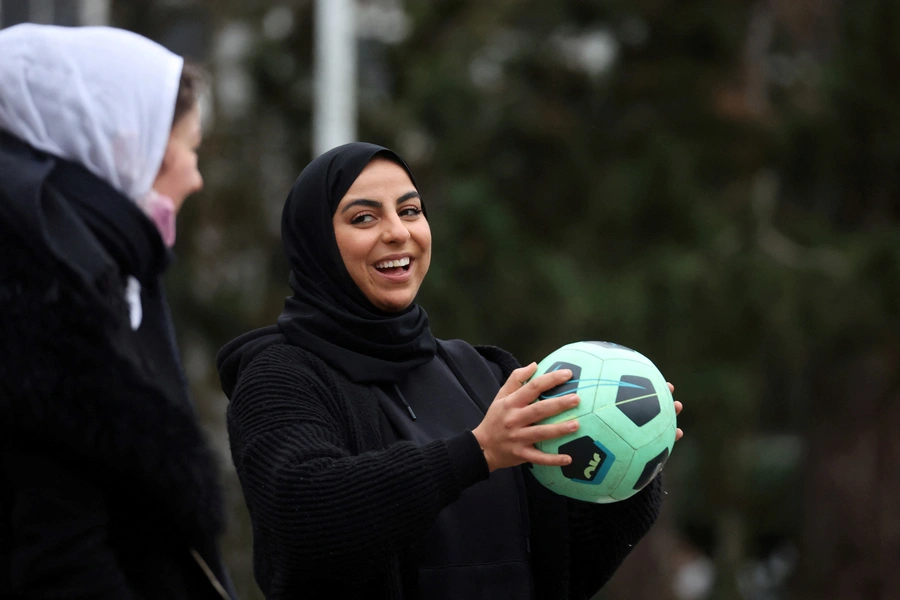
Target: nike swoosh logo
(591, 383)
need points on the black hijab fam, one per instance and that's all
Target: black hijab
(328, 314)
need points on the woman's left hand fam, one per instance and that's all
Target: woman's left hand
(678, 407)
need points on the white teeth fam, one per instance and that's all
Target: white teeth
(387, 264)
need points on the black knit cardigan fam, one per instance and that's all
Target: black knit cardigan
(108, 488)
(333, 511)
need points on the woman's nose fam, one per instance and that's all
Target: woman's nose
(395, 231)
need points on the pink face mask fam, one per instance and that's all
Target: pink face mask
(161, 210)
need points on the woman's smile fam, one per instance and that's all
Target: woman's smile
(396, 270)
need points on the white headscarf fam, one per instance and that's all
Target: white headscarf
(100, 97)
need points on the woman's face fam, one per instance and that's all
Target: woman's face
(179, 176)
(383, 237)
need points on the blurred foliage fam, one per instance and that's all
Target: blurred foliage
(713, 184)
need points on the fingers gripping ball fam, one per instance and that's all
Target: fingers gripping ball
(626, 423)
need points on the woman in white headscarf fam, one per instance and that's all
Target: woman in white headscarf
(107, 486)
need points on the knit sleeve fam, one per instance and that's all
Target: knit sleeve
(319, 510)
(602, 536)
(59, 521)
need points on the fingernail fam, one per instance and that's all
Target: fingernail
(574, 400)
(572, 425)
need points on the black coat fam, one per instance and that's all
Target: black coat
(107, 487)
(335, 512)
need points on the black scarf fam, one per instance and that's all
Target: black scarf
(60, 208)
(328, 314)
(64, 213)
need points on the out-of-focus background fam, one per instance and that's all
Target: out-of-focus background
(714, 184)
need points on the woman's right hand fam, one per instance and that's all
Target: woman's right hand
(507, 433)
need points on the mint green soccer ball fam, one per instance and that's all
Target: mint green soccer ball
(627, 423)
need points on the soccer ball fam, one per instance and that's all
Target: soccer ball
(627, 423)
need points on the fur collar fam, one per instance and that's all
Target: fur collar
(69, 380)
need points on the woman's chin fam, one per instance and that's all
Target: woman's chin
(393, 304)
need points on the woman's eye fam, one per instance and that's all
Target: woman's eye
(363, 218)
(410, 211)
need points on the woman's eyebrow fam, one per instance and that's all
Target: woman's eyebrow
(361, 202)
(408, 196)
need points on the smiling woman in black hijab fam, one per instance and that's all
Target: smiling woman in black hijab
(379, 462)
(328, 315)
(327, 305)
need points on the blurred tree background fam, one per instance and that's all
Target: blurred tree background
(712, 183)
